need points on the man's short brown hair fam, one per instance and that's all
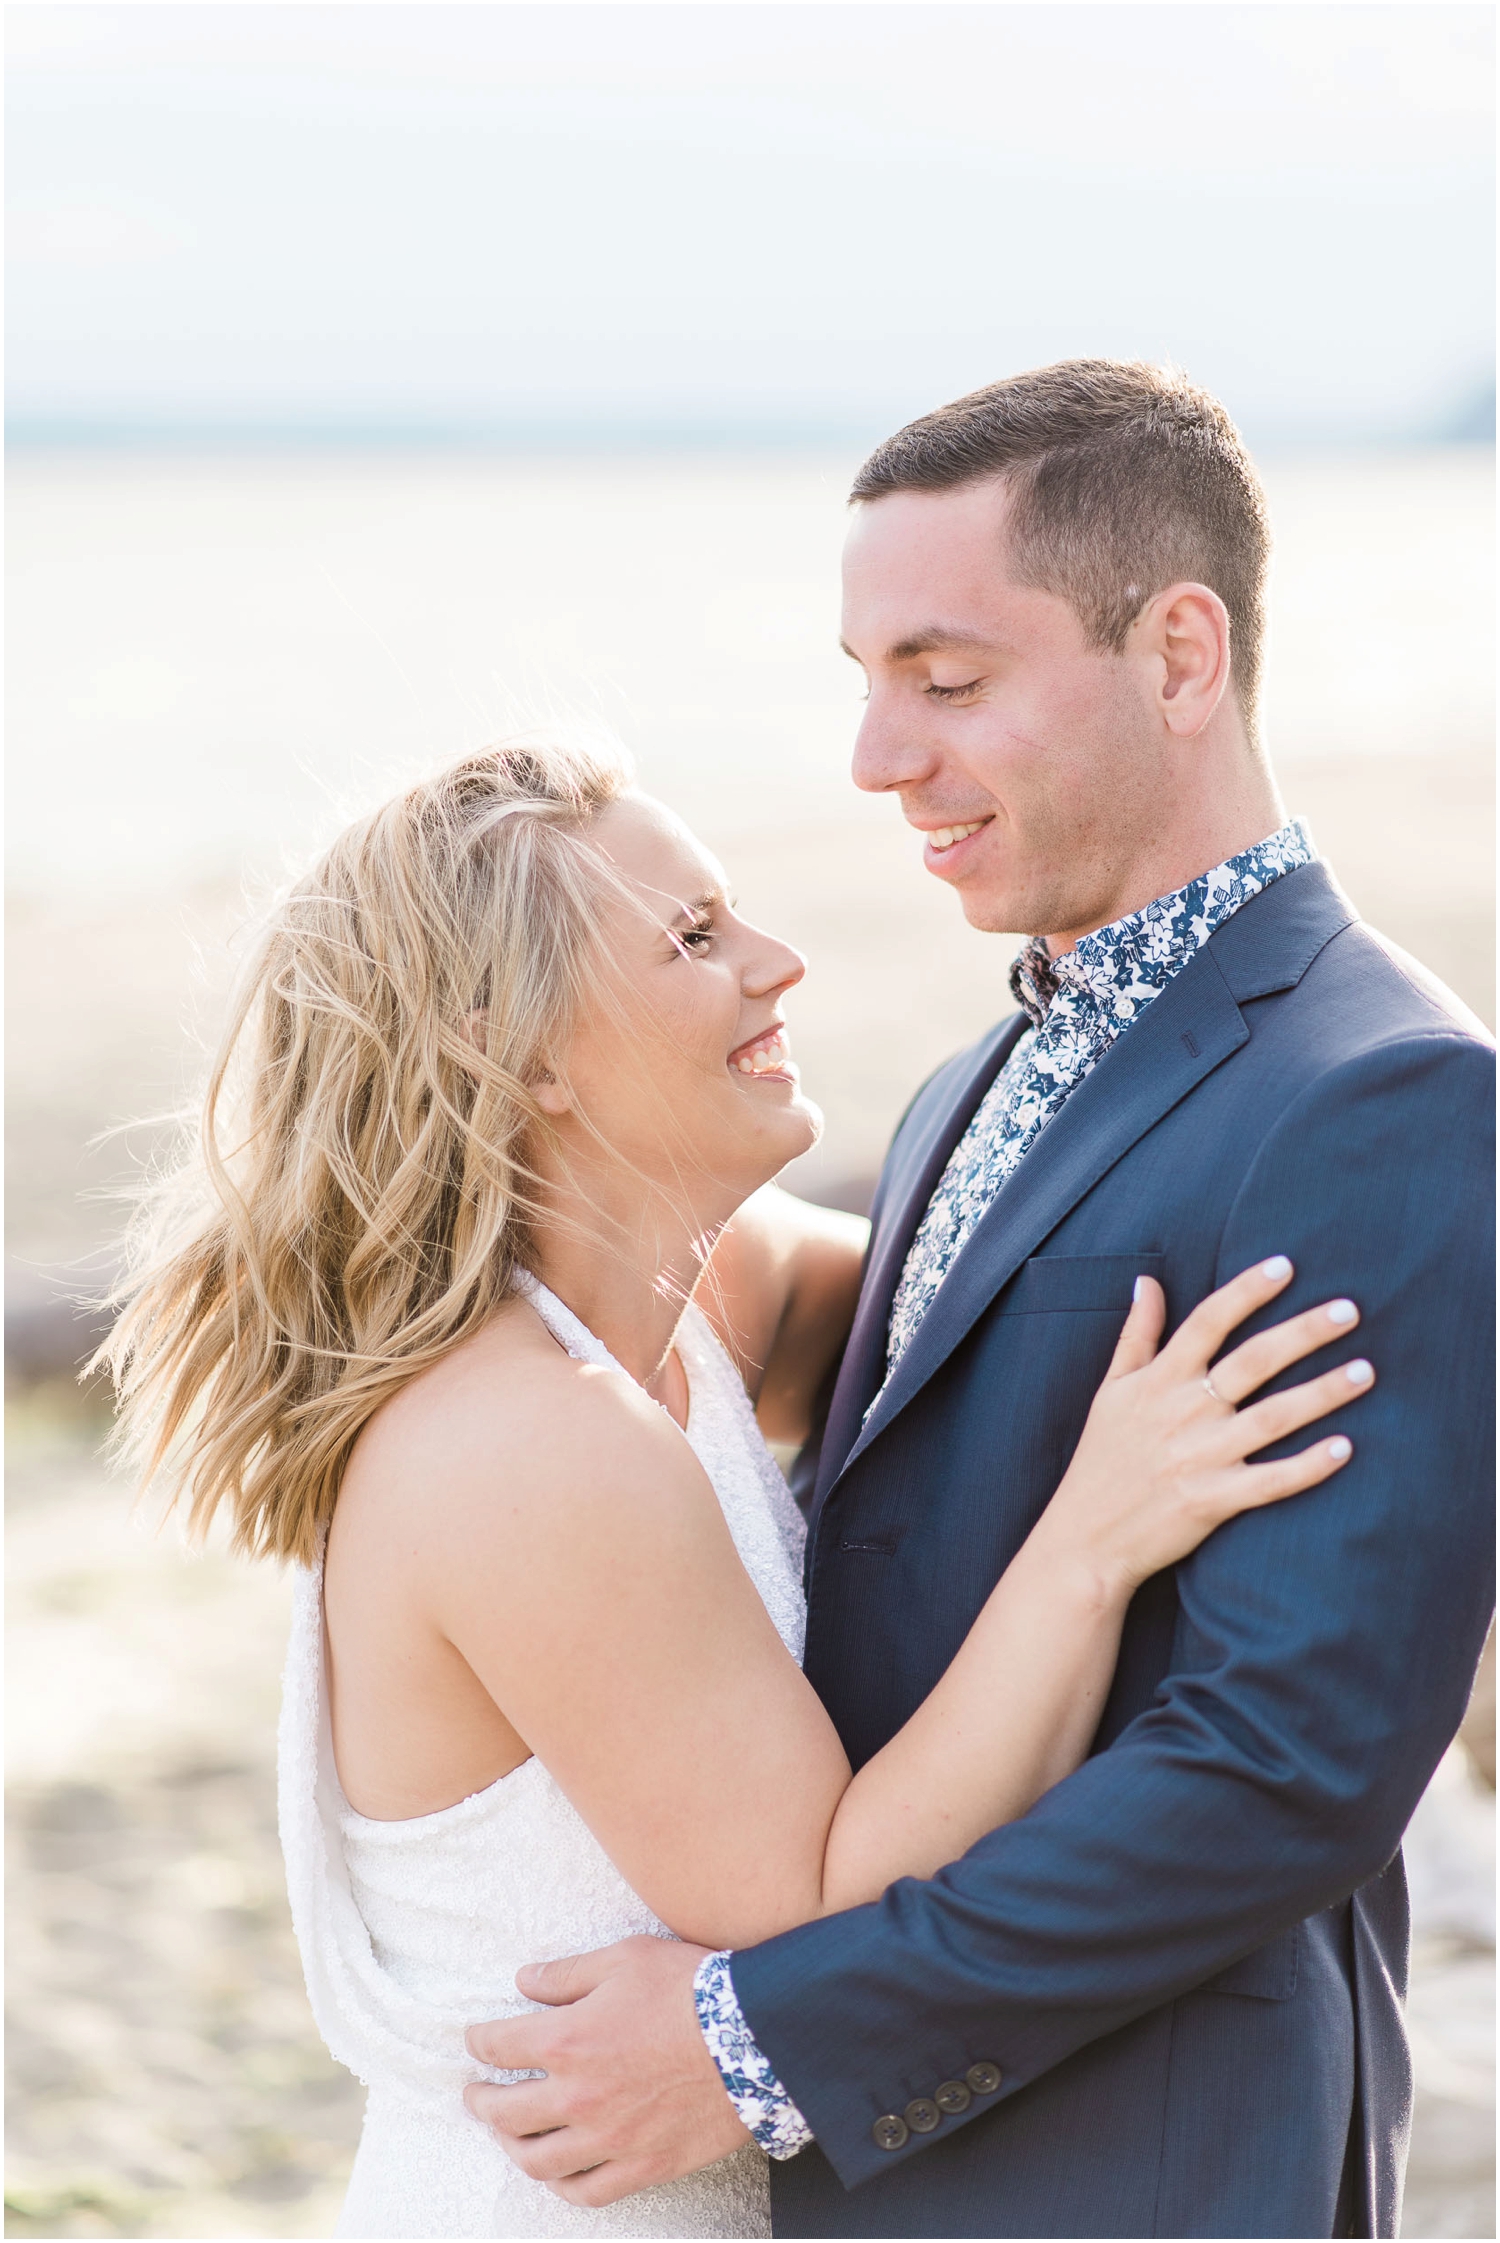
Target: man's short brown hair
(1126, 478)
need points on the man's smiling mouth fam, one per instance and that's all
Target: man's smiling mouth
(940, 839)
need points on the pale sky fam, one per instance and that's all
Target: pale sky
(701, 220)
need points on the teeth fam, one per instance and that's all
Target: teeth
(764, 1059)
(945, 836)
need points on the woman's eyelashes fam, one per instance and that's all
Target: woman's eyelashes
(694, 941)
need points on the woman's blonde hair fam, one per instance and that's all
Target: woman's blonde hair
(356, 1194)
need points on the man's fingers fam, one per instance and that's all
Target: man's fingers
(530, 2107)
(560, 2156)
(605, 2184)
(521, 2044)
(570, 1977)
(1137, 1343)
(511, 2044)
(566, 1980)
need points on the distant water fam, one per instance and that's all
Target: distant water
(211, 657)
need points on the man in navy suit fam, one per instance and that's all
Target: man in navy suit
(1167, 2000)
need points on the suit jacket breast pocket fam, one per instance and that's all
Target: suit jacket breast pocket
(1074, 1284)
(1269, 1975)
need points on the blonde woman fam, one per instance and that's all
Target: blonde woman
(476, 1302)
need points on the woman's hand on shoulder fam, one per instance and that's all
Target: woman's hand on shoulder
(1163, 1457)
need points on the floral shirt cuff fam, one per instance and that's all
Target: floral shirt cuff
(757, 2094)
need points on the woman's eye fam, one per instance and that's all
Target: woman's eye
(696, 938)
(954, 692)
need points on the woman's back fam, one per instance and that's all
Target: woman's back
(410, 1930)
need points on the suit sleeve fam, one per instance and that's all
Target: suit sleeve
(1324, 1651)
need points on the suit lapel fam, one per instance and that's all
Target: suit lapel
(907, 1187)
(1186, 1032)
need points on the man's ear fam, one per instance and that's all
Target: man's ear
(1184, 633)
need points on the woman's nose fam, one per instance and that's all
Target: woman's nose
(776, 966)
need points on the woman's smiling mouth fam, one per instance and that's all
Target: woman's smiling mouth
(766, 1054)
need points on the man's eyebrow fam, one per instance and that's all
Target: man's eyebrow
(935, 639)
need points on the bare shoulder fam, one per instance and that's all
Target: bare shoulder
(509, 1438)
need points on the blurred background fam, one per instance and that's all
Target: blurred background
(382, 378)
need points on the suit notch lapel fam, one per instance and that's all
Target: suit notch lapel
(1188, 1031)
(921, 1163)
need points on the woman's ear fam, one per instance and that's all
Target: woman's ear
(550, 1094)
(1186, 630)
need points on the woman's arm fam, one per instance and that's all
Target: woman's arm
(595, 1591)
(780, 1291)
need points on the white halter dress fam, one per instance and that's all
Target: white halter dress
(412, 1931)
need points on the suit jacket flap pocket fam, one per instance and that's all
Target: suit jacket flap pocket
(1068, 1283)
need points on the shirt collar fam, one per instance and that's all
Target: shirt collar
(1127, 962)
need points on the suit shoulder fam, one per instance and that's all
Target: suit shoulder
(1431, 1000)
(1384, 995)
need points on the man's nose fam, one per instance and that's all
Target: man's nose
(887, 755)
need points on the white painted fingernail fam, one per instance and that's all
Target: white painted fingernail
(1277, 1266)
(1358, 1374)
(1135, 1290)
(1340, 1449)
(1342, 1312)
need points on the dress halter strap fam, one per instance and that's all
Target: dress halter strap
(567, 1329)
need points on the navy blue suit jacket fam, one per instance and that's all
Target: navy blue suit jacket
(1186, 1962)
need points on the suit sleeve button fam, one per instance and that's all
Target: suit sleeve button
(890, 2132)
(983, 2078)
(922, 2114)
(953, 2096)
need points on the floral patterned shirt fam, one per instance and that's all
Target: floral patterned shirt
(1078, 1005)
(758, 2096)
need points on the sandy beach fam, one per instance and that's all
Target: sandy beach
(204, 666)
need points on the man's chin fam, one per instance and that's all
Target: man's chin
(992, 914)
